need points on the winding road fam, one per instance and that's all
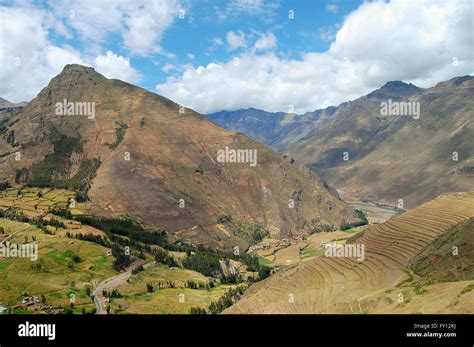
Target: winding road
(110, 283)
(16, 232)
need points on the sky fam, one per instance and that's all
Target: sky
(213, 55)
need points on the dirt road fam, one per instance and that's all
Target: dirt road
(110, 283)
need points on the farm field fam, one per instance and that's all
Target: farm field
(342, 284)
(68, 266)
(311, 247)
(34, 202)
(170, 295)
(64, 266)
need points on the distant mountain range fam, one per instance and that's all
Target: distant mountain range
(278, 130)
(5, 104)
(139, 154)
(369, 155)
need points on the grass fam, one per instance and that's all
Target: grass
(264, 261)
(136, 299)
(311, 251)
(54, 275)
(32, 205)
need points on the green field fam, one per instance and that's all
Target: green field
(136, 299)
(55, 274)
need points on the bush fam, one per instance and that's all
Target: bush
(138, 269)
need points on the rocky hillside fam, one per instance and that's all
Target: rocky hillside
(140, 154)
(369, 155)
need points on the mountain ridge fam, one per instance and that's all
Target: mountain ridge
(358, 128)
(140, 155)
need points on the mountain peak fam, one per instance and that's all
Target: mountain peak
(77, 67)
(74, 71)
(395, 89)
(73, 77)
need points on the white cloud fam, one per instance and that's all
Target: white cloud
(168, 67)
(114, 66)
(28, 59)
(216, 41)
(141, 23)
(328, 33)
(190, 56)
(331, 8)
(247, 5)
(264, 9)
(411, 41)
(235, 40)
(265, 42)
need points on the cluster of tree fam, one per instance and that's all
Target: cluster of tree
(196, 285)
(163, 257)
(122, 260)
(203, 262)
(226, 300)
(230, 279)
(325, 228)
(12, 213)
(124, 227)
(61, 212)
(363, 221)
(197, 310)
(127, 232)
(54, 223)
(91, 238)
(119, 135)
(57, 163)
(42, 223)
(113, 294)
(53, 170)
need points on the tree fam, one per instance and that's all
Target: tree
(149, 288)
(197, 310)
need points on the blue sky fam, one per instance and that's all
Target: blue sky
(295, 37)
(213, 54)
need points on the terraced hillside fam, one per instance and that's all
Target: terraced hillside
(344, 285)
